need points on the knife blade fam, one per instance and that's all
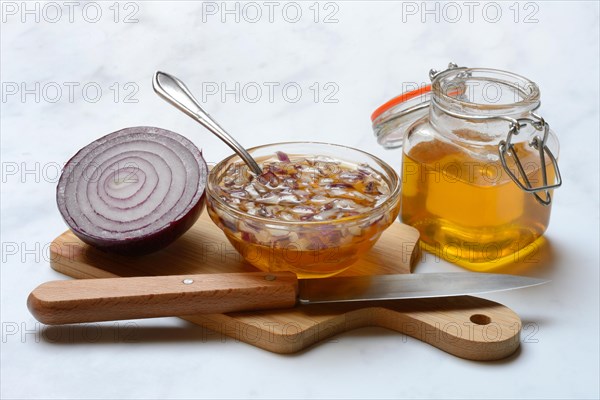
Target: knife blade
(408, 286)
(110, 299)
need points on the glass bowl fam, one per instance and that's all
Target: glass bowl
(311, 249)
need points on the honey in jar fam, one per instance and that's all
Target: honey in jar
(478, 165)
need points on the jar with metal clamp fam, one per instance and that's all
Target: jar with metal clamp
(479, 164)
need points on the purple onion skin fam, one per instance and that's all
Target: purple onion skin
(145, 244)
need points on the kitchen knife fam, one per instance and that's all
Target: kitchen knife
(109, 299)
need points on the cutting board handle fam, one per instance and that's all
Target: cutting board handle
(469, 327)
(109, 299)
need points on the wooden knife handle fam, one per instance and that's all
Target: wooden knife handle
(110, 299)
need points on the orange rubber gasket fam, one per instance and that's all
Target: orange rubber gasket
(399, 99)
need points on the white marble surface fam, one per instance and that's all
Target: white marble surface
(367, 55)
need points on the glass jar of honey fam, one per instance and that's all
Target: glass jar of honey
(479, 164)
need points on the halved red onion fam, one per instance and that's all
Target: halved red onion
(133, 191)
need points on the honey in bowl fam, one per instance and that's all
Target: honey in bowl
(311, 214)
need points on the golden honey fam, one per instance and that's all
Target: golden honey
(302, 190)
(479, 165)
(469, 211)
(316, 259)
(308, 212)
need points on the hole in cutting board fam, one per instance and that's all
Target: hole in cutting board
(480, 319)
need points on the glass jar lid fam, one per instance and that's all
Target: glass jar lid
(391, 120)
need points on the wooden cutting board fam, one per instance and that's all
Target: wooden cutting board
(465, 326)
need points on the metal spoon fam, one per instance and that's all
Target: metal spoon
(175, 92)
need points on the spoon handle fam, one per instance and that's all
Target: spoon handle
(177, 94)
